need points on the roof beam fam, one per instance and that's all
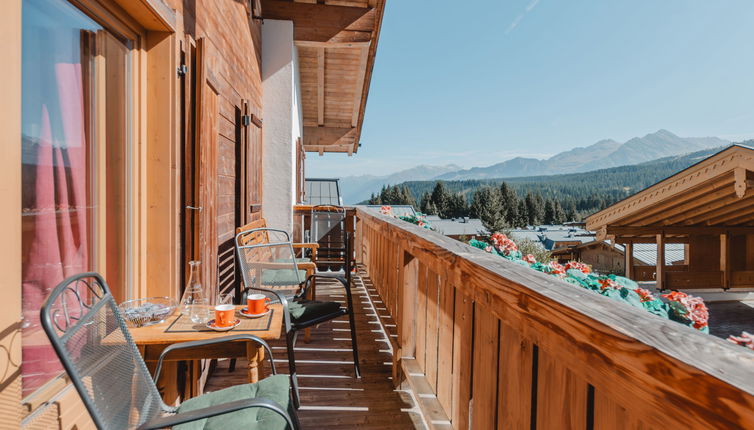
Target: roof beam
(743, 181)
(311, 44)
(675, 229)
(316, 137)
(701, 195)
(697, 214)
(323, 23)
(668, 239)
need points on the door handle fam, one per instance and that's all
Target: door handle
(195, 208)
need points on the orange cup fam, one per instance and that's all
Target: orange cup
(257, 303)
(225, 315)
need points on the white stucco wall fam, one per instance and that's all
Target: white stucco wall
(283, 125)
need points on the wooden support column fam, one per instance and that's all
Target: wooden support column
(660, 271)
(629, 251)
(725, 259)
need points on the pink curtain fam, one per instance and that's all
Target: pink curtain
(55, 227)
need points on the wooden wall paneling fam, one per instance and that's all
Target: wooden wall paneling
(484, 369)
(445, 346)
(433, 303)
(421, 317)
(749, 265)
(207, 130)
(561, 395)
(514, 380)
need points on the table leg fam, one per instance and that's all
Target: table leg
(255, 355)
(167, 385)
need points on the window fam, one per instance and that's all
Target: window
(76, 137)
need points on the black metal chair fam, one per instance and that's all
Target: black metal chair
(328, 229)
(90, 337)
(271, 267)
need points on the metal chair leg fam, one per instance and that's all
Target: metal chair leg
(290, 339)
(352, 322)
(353, 344)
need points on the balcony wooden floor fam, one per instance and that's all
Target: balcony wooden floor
(330, 396)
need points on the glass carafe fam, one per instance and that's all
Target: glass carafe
(195, 303)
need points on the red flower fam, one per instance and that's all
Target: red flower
(645, 295)
(606, 283)
(583, 268)
(746, 339)
(504, 245)
(556, 268)
(694, 307)
(386, 210)
(529, 259)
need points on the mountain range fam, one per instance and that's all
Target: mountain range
(600, 155)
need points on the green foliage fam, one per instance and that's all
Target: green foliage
(393, 195)
(528, 246)
(487, 206)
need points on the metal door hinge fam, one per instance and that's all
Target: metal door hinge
(182, 70)
(246, 120)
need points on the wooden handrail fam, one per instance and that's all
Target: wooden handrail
(527, 347)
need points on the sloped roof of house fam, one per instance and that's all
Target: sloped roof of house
(714, 194)
(551, 235)
(458, 227)
(647, 252)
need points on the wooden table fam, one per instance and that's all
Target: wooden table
(152, 340)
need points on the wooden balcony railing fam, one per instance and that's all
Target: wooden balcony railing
(485, 344)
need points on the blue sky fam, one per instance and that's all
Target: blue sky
(475, 83)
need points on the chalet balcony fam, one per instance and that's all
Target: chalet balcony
(452, 337)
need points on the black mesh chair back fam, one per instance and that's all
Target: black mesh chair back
(328, 229)
(85, 327)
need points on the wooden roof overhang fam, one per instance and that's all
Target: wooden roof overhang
(711, 197)
(336, 42)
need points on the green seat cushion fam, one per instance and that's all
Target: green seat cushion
(290, 260)
(275, 388)
(279, 277)
(307, 310)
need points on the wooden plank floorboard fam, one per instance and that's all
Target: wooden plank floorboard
(330, 395)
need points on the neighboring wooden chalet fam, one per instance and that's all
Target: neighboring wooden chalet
(139, 134)
(709, 207)
(607, 257)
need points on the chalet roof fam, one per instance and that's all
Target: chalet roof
(713, 194)
(336, 43)
(549, 236)
(459, 227)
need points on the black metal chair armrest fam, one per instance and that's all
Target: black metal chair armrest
(335, 276)
(198, 343)
(172, 420)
